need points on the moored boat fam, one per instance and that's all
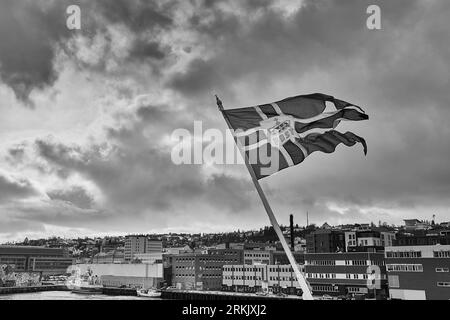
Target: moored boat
(148, 293)
(88, 289)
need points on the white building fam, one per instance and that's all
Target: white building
(116, 275)
(259, 277)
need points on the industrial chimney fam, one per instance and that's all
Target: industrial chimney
(291, 218)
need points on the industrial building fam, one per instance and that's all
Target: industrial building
(203, 271)
(260, 278)
(47, 261)
(418, 272)
(347, 273)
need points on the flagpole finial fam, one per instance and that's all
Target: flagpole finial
(219, 103)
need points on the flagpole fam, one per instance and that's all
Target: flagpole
(300, 278)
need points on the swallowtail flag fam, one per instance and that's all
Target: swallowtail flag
(291, 129)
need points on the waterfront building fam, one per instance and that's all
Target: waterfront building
(126, 274)
(418, 272)
(347, 273)
(47, 261)
(203, 271)
(260, 278)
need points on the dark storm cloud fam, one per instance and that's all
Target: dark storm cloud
(139, 15)
(138, 176)
(319, 35)
(76, 195)
(15, 188)
(29, 30)
(400, 75)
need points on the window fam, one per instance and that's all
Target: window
(404, 254)
(443, 284)
(393, 282)
(441, 269)
(359, 262)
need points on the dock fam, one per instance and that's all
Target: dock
(220, 295)
(12, 290)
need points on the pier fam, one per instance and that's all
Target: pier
(11, 290)
(220, 295)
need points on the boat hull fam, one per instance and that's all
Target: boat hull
(88, 290)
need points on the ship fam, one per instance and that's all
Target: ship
(84, 284)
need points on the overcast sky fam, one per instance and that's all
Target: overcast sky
(86, 115)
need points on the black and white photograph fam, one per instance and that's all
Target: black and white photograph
(219, 158)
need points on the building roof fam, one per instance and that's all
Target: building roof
(30, 250)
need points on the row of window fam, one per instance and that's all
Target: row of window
(322, 262)
(257, 255)
(356, 290)
(281, 269)
(240, 269)
(403, 254)
(322, 275)
(359, 262)
(242, 277)
(404, 267)
(325, 288)
(441, 269)
(441, 254)
(210, 260)
(347, 262)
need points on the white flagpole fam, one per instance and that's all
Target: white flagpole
(301, 279)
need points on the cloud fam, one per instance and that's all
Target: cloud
(135, 176)
(109, 160)
(12, 188)
(76, 195)
(34, 35)
(29, 30)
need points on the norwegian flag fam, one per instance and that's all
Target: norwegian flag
(282, 134)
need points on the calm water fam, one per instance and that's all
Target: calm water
(65, 295)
